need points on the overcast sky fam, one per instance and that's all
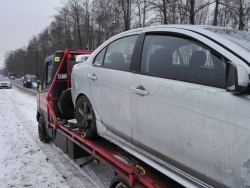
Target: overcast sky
(20, 20)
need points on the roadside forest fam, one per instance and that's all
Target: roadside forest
(85, 24)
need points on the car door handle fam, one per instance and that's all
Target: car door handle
(92, 76)
(139, 90)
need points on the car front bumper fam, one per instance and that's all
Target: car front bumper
(5, 86)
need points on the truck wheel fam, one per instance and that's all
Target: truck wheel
(43, 136)
(65, 104)
(86, 117)
(118, 182)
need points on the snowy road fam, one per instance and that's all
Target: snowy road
(26, 162)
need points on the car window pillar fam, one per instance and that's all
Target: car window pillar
(136, 58)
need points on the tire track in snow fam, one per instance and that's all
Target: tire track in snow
(99, 173)
(72, 174)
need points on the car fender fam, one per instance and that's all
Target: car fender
(80, 86)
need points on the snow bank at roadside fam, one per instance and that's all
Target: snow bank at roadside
(22, 163)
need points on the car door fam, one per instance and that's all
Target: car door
(183, 115)
(109, 79)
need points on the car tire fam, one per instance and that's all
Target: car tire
(43, 136)
(118, 182)
(86, 117)
(65, 104)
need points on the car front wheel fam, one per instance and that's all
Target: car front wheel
(86, 117)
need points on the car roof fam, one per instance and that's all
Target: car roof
(202, 30)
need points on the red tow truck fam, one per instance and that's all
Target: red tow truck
(54, 111)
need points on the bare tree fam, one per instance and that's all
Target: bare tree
(75, 10)
(215, 22)
(107, 20)
(141, 6)
(233, 13)
(191, 8)
(160, 9)
(125, 6)
(244, 9)
(33, 55)
(87, 24)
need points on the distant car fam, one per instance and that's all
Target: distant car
(30, 81)
(12, 77)
(175, 96)
(5, 82)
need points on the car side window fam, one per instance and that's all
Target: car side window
(182, 59)
(49, 71)
(46, 78)
(119, 53)
(99, 58)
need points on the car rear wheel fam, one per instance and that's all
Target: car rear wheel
(86, 117)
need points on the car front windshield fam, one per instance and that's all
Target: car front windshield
(33, 79)
(4, 79)
(241, 38)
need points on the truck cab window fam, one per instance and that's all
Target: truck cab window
(48, 75)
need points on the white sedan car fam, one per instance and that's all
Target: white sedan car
(5, 82)
(177, 97)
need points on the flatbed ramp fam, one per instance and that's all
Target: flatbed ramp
(132, 171)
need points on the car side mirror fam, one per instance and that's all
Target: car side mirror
(237, 78)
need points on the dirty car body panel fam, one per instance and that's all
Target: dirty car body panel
(171, 106)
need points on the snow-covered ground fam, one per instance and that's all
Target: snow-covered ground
(26, 162)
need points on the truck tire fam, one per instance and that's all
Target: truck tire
(118, 182)
(65, 104)
(86, 117)
(43, 136)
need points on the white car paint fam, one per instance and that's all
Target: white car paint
(82, 58)
(5, 83)
(193, 127)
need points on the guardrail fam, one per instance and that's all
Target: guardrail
(19, 84)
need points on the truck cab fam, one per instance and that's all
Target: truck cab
(55, 80)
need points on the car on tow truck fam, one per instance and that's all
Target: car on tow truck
(176, 97)
(55, 111)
